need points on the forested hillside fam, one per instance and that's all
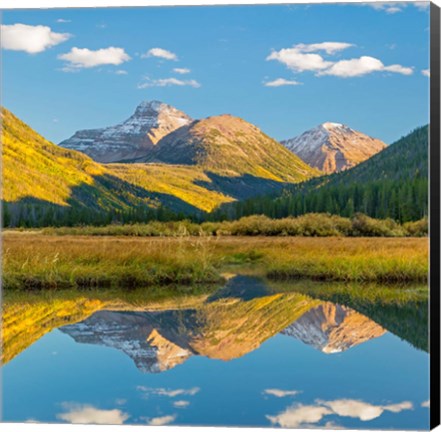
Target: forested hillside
(392, 184)
(44, 184)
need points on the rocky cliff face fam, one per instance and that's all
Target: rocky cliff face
(333, 147)
(332, 328)
(131, 139)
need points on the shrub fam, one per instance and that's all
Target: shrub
(363, 225)
(418, 228)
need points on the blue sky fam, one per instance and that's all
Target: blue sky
(284, 68)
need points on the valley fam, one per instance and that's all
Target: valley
(162, 174)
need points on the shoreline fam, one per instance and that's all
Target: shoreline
(54, 262)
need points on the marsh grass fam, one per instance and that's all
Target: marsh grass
(36, 261)
(384, 260)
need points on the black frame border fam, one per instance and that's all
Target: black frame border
(434, 142)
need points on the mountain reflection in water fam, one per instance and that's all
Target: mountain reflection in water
(251, 353)
(231, 322)
(158, 341)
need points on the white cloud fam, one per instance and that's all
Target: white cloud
(280, 393)
(355, 409)
(423, 5)
(181, 70)
(168, 392)
(298, 61)
(121, 72)
(160, 53)
(31, 39)
(395, 7)
(181, 404)
(363, 410)
(354, 67)
(78, 58)
(161, 421)
(300, 415)
(167, 82)
(307, 415)
(279, 82)
(61, 20)
(87, 414)
(363, 66)
(304, 57)
(426, 404)
(426, 72)
(399, 69)
(328, 47)
(396, 408)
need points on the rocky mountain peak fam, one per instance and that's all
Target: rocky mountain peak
(154, 107)
(330, 126)
(333, 147)
(131, 139)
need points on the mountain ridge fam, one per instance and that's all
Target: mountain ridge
(131, 139)
(44, 182)
(391, 184)
(229, 145)
(333, 147)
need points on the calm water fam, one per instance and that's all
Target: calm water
(246, 355)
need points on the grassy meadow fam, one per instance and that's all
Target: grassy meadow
(33, 260)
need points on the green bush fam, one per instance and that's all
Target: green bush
(365, 226)
(417, 229)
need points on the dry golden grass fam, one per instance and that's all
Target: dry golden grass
(36, 260)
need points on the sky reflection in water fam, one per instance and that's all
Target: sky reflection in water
(245, 356)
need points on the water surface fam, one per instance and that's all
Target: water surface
(248, 354)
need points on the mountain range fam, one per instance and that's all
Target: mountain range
(221, 164)
(161, 133)
(162, 160)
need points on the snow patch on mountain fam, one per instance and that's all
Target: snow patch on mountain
(131, 139)
(333, 147)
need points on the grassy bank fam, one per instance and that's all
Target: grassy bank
(310, 225)
(34, 261)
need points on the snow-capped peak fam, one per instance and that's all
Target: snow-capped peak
(333, 147)
(134, 137)
(153, 106)
(331, 125)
